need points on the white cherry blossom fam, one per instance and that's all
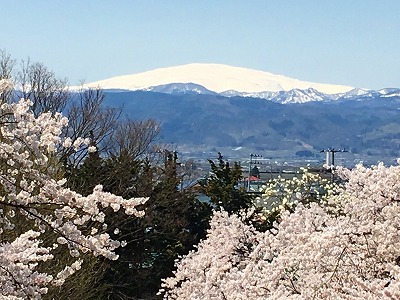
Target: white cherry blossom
(347, 247)
(35, 202)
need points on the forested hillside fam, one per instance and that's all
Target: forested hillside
(366, 127)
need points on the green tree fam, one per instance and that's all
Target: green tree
(222, 186)
(88, 175)
(255, 172)
(175, 221)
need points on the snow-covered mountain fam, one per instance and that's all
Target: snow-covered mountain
(231, 81)
(217, 78)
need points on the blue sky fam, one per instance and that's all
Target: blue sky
(351, 42)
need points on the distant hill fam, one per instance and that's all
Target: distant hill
(366, 125)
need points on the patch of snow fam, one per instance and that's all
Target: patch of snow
(237, 148)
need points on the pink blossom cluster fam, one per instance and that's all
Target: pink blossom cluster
(34, 201)
(6, 85)
(347, 247)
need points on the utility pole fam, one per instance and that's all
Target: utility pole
(330, 156)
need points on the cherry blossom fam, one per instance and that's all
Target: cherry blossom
(6, 85)
(346, 247)
(37, 213)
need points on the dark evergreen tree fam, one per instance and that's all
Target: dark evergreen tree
(222, 186)
(84, 178)
(174, 222)
(255, 172)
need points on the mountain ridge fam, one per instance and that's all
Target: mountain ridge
(283, 97)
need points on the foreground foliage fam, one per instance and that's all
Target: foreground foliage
(344, 248)
(38, 215)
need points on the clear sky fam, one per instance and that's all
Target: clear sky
(350, 42)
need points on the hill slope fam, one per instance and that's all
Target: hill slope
(196, 121)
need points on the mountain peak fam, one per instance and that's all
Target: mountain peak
(215, 77)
